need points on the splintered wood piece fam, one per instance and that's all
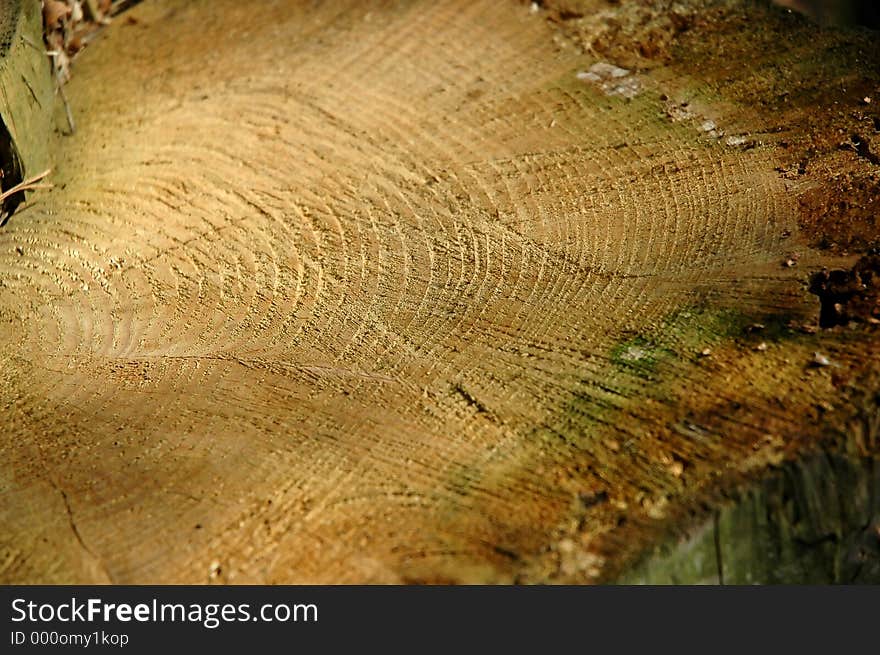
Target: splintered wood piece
(27, 185)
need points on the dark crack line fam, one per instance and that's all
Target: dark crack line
(76, 532)
(73, 523)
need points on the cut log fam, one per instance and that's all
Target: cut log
(457, 291)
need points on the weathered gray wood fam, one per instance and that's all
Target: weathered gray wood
(26, 91)
(813, 521)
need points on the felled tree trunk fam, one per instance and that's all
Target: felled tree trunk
(433, 291)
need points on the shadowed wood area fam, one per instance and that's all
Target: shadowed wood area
(423, 291)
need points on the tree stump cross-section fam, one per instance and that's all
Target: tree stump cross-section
(425, 291)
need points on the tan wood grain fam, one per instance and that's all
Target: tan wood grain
(382, 292)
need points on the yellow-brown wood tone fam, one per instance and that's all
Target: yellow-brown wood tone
(355, 291)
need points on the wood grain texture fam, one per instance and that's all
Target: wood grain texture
(26, 102)
(382, 292)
